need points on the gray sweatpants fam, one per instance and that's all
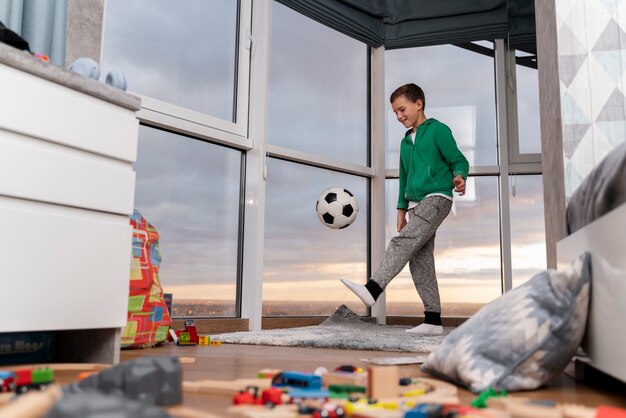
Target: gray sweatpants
(415, 244)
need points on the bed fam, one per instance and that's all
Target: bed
(596, 222)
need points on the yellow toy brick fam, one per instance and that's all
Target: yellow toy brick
(204, 340)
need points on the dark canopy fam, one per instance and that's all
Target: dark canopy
(409, 23)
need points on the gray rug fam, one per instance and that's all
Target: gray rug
(344, 329)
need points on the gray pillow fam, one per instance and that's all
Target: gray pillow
(603, 190)
(522, 339)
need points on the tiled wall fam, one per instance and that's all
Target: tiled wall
(592, 62)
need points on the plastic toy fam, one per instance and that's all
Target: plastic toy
(155, 380)
(425, 410)
(7, 382)
(329, 411)
(298, 380)
(99, 404)
(23, 380)
(481, 400)
(345, 391)
(250, 396)
(187, 336)
(185, 339)
(267, 373)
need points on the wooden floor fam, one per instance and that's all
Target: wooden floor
(232, 361)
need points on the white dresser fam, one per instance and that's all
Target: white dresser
(67, 144)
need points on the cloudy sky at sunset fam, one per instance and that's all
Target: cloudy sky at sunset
(183, 53)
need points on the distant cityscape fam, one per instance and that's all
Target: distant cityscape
(220, 309)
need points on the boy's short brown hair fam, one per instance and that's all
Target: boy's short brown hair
(411, 91)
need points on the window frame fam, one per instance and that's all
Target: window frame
(522, 162)
(510, 161)
(190, 122)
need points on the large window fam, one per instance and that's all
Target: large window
(303, 258)
(459, 89)
(467, 253)
(318, 89)
(190, 191)
(180, 52)
(528, 236)
(317, 125)
(528, 105)
(460, 92)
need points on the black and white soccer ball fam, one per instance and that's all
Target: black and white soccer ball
(337, 208)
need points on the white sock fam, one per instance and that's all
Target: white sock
(361, 291)
(426, 329)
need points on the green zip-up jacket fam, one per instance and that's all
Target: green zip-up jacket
(430, 165)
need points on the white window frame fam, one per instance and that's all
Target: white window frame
(521, 162)
(179, 119)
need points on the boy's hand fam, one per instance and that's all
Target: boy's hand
(459, 182)
(401, 219)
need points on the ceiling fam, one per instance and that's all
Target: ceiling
(410, 23)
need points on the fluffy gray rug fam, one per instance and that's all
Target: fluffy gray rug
(344, 329)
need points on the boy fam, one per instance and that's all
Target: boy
(431, 165)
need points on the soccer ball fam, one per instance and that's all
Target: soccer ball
(337, 208)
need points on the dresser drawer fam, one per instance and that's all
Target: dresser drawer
(40, 108)
(39, 170)
(62, 268)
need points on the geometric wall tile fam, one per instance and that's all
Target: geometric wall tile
(611, 38)
(610, 5)
(601, 147)
(568, 44)
(571, 113)
(572, 178)
(569, 66)
(613, 109)
(572, 135)
(591, 48)
(611, 61)
(614, 132)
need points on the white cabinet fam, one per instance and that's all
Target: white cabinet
(67, 145)
(605, 336)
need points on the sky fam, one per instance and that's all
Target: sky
(184, 53)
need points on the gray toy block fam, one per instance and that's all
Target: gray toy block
(93, 404)
(154, 380)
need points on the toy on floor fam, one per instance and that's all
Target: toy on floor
(189, 336)
(25, 379)
(314, 398)
(155, 380)
(250, 396)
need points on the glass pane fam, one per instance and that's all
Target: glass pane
(467, 253)
(460, 92)
(318, 100)
(303, 258)
(189, 190)
(181, 52)
(528, 234)
(528, 110)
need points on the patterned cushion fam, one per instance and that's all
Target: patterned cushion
(148, 318)
(522, 339)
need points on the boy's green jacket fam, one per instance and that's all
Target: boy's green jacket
(430, 165)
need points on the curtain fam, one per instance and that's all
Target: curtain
(43, 23)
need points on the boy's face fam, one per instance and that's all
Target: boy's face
(407, 111)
